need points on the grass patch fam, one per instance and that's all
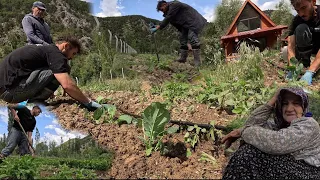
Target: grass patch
(236, 123)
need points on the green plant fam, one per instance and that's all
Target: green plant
(195, 133)
(107, 112)
(175, 90)
(65, 172)
(208, 158)
(95, 164)
(155, 118)
(18, 168)
(240, 97)
(296, 68)
(236, 123)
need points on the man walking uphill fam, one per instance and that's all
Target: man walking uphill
(189, 23)
(16, 136)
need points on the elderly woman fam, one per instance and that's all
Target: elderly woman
(284, 147)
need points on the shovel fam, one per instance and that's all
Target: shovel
(151, 25)
(30, 145)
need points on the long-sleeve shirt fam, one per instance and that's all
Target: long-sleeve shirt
(301, 139)
(37, 30)
(182, 15)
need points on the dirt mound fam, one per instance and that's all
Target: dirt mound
(130, 160)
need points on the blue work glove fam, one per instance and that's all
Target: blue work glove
(307, 77)
(289, 75)
(153, 30)
(92, 105)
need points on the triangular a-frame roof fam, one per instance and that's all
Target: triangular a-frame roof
(248, 2)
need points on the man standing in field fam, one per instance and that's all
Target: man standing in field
(36, 29)
(16, 136)
(189, 23)
(304, 37)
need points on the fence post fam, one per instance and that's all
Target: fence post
(110, 37)
(116, 43)
(121, 43)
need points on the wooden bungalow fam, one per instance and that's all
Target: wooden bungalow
(252, 26)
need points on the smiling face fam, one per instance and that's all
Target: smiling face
(305, 9)
(291, 106)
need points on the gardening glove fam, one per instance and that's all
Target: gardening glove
(153, 30)
(307, 77)
(289, 75)
(92, 105)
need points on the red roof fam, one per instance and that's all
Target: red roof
(253, 32)
(256, 8)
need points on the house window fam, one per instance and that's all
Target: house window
(249, 19)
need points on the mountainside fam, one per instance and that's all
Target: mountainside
(73, 17)
(135, 30)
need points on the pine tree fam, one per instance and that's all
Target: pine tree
(37, 136)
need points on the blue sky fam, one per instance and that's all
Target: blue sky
(47, 124)
(104, 8)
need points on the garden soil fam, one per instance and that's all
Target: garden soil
(124, 141)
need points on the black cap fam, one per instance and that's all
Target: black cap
(39, 5)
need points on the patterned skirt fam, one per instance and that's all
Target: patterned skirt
(249, 162)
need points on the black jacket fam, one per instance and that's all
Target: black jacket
(181, 15)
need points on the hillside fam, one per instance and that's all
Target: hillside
(135, 30)
(73, 17)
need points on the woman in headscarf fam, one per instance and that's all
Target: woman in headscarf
(283, 146)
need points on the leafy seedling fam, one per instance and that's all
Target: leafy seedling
(155, 118)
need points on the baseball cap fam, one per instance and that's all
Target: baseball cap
(39, 5)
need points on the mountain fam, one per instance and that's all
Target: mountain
(73, 17)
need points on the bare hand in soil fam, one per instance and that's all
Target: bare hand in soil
(231, 137)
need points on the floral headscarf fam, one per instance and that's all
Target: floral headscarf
(280, 122)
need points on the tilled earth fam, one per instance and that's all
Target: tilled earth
(130, 160)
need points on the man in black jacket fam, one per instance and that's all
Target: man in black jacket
(16, 136)
(189, 23)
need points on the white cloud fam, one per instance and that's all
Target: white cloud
(55, 121)
(48, 137)
(51, 126)
(209, 14)
(4, 115)
(110, 8)
(86, 0)
(269, 5)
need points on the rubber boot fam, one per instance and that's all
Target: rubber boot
(183, 56)
(196, 56)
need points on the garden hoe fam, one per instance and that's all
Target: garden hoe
(151, 25)
(30, 145)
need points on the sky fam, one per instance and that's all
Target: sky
(48, 126)
(147, 8)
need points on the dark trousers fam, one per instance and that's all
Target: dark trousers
(306, 44)
(186, 36)
(40, 85)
